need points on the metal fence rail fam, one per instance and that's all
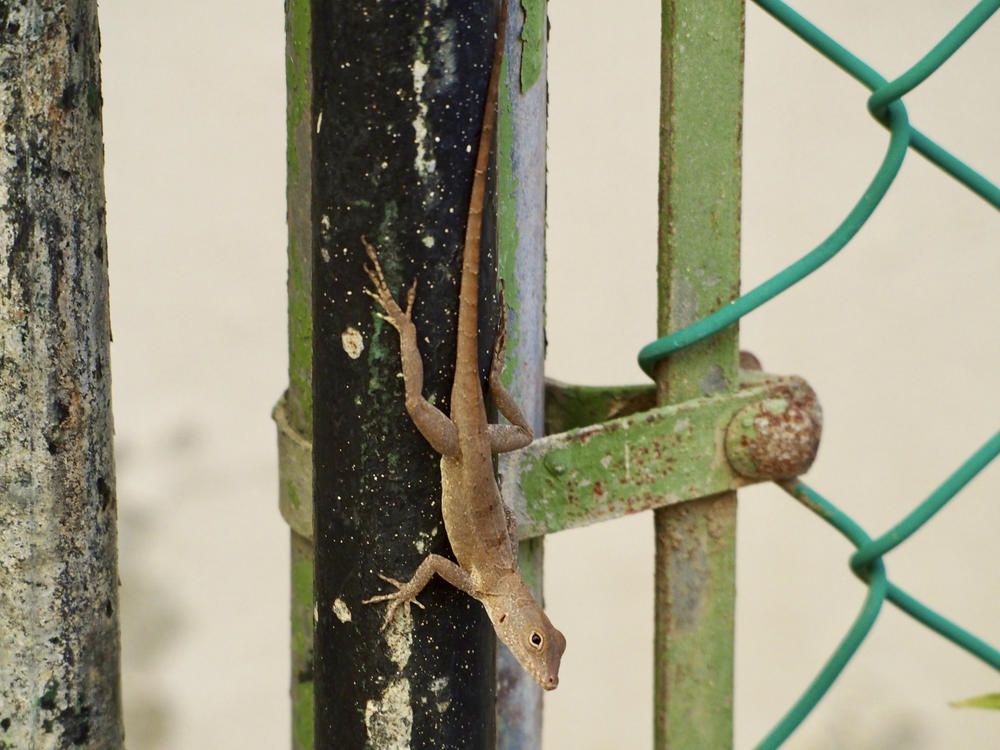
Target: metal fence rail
(886, 106)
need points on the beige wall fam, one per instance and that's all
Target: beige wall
(894, 335)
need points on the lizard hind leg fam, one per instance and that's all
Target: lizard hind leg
(517, 434)
(432, 423)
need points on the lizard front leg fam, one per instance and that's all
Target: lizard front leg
(434, 425)
(407, 592)
(517, 434)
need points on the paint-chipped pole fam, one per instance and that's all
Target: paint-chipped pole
(59, 642)
(699, 241)
(398, 91)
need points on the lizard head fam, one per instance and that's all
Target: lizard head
(525, 629)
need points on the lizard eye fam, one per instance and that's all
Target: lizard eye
(536, 640)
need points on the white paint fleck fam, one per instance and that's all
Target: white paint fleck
(353, 342)
(315, 613)
(428, 240)
(440, 688)
(399, 636)
(341, 611)
(389, 719)
(319, 122)
(325, 253)
(325, 221)
(424, 163)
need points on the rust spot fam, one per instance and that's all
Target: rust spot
(749, 361)
(778, 437)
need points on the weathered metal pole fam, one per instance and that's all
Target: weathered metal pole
(398, 95)
(521, 151)
(59, 639)
(699, 240)
(294, 412)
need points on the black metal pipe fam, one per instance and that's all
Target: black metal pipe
(398, 99)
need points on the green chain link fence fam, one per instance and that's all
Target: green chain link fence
(886, 106)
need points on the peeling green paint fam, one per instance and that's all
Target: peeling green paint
(298, 30)
(294, 412)
(294, 471)
(302, 644)
(664, 456)
(532, 42)
(293, 496)
(390, 220)
(571, 406)
(701, 79)
(528, 562)
(300, 332)
(508, 214)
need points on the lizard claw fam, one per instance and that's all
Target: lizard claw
(381, 294)
(411, 295)
(393, 581)
(397, 597)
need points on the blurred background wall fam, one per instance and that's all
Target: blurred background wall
(894, 335)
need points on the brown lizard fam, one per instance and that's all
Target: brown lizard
(480, 527)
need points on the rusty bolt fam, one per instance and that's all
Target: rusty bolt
(776, 438)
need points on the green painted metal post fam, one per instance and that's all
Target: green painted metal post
(699, 234)
(294, 413)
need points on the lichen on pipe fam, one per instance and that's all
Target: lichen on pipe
(59, 638)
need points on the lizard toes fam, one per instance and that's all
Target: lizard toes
(387, 619)
(393, 581)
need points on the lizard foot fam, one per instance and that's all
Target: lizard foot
(393, 315)
(401, 596)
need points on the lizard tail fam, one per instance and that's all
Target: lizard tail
(467, 359)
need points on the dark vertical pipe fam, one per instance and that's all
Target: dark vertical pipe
(59, 642)
(398, 102)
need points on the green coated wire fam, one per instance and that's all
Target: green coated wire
(958, 169)
(652, 353)
(923, 512)
(935, 58)
(943, 626)
(877, 588)
(886, 106)
(890, 113)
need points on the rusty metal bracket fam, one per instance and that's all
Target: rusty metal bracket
(768, 429)
(295, 473)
